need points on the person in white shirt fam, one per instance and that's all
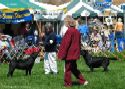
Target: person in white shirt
(63, 30)
(65, 25)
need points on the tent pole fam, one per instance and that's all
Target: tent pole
(124, 23)
(86, 19)
(57, 28)
(39, 27)
(103, 18)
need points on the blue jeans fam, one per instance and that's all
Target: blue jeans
(84, 37)
(112, 48)
(120, 44)
(119, 39)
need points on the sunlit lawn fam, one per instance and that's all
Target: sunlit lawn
(113, 79)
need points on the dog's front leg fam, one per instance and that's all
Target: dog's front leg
(8, 73)
(26, 72)
(29, 71)
(11, 70)
(105, 68)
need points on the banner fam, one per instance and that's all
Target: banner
(102, 5)
(14, 16)
(46, 14)
(107, 0)
(118, 2)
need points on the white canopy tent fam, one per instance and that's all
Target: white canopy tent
(82, 4)
(49, 6)
(2, 6)
(116, 8)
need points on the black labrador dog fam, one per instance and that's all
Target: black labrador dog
(26, 64)
(95, 62)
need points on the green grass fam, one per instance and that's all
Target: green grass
(113, 79)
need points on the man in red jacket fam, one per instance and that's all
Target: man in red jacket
(70, 51)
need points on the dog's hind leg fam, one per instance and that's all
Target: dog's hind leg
(105, 68)
(91, 69)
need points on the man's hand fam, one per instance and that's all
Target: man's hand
(50, 41)
(59, 59)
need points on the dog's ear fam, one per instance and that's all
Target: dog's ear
(83, 52)
(34, 55)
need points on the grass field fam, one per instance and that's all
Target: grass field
(113, 79)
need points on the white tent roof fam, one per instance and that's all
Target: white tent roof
(114, 7)
(2, 6)
(85, 13)
(49, 6)
(79, 5)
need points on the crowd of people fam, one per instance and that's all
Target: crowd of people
(101, 37)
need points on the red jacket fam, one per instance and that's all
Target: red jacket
(31, 50)
(70, 45)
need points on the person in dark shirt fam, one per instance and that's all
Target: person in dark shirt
(27, 30)
(50, 46)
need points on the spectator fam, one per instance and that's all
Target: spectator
(112, 40)
(84, 30)
(65, 25)
(26, 29)
(70, 52)
(119, 33)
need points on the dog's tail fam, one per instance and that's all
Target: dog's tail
(113, 58)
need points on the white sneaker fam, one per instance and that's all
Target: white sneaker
(46, 73)
(85, 83)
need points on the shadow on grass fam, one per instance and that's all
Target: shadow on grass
(96, 70)
(74, 83)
